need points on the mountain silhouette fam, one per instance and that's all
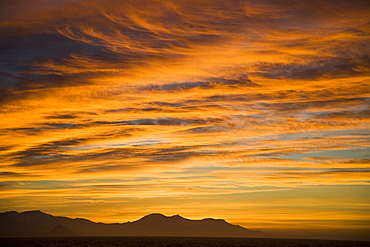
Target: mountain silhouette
(39, 224)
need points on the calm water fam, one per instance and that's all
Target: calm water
(171, 241)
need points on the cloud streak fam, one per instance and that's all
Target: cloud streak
(140, 103)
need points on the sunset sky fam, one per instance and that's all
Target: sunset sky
(253, 111)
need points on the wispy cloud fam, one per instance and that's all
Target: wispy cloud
(151, 101)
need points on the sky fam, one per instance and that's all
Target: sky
(253, 111)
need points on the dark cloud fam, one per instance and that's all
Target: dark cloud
(44, 154)
(121, 110)
(61, 116)
(323, 104)
(41, 161)
(26, 131)
(201, 130)
(5, 148)
(164, 107)
(173, 154)
(106, 168)
(240, 81)
(163, 121)
(335, 68)
(22, 54)
(53, 155)
(9, 174)
(167, 104)
(358, 161)
(62, 125)
(44, 127)
(247, 97)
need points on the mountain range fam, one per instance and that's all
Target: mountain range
(39, 224)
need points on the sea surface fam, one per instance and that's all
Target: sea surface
(172, 241)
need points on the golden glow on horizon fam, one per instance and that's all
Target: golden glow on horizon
(246, 111)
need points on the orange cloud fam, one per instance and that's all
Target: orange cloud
(143, 103)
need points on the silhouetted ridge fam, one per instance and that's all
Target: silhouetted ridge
(153, 216)
(35, 212)
(177, 216)
(37, 223)
(160, 218)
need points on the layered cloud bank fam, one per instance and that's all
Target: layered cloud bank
(156, 104)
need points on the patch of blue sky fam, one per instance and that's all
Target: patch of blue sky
(360, 153)
(356, 133)
(323, 134)
(41, 184)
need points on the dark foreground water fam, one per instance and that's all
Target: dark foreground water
(172, 241)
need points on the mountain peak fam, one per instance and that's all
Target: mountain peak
(154, 215)
(161, 217)
(177, 217)
(11, 212)
(212, 219)
(34, 212)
